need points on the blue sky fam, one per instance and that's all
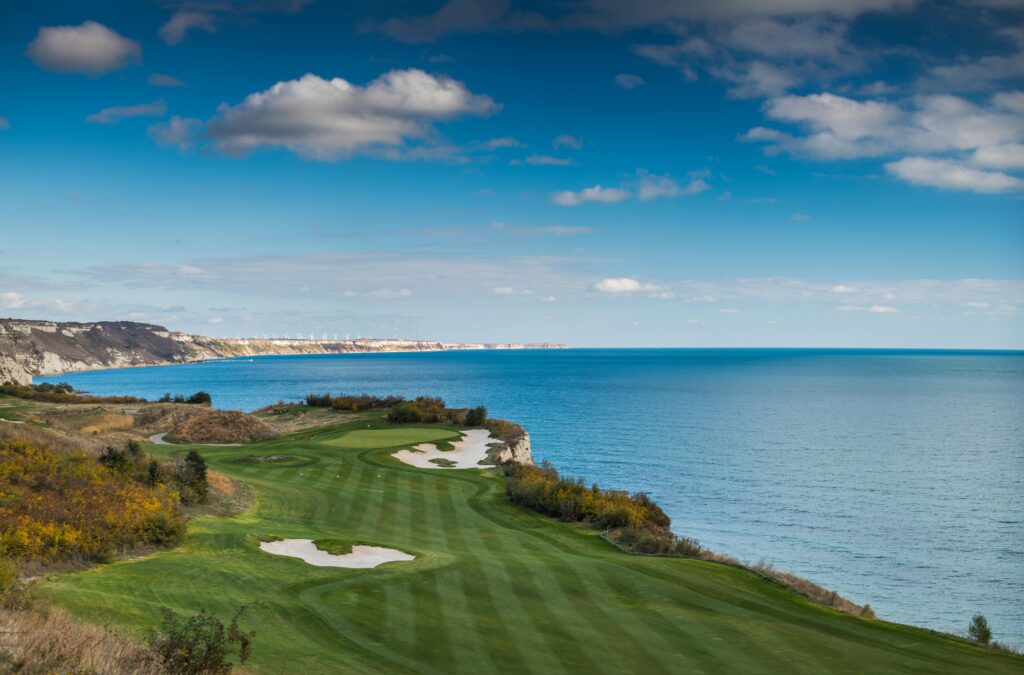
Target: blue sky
(594, 172)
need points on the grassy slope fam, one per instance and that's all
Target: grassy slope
(494, 588)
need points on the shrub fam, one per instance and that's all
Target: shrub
(476, 417)
(59, 506)
(200, 398)
(200, 644)
(979, 630)
(360, 403)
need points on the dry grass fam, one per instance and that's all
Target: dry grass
(221, 426)
(47, 640)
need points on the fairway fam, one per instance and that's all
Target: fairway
(493, 588)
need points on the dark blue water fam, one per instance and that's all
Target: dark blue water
(895, 477)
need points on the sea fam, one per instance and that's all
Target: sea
(894, 477)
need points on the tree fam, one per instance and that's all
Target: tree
(979, 630)
(134, 449)
(153, 473)
(200, 398)
(200, 644)
(113, 459)
(476, 417)
(195, 467)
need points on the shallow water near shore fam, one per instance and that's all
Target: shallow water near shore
(895, 477)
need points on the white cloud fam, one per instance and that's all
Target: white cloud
(504, 290)
(182, 21)
(159, 80)
(117, 113)
(629, 82)
(91, 48)
(328, 119)
(951, 175)
(696, 322)
(729, 310)
(180, 132)
(650, 186)
(12, 300)
(843, 288)
(627, 285)
(566, 141)
(1004, 156)
(800, 217)
(596, 193)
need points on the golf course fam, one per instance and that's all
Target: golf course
(492, 588)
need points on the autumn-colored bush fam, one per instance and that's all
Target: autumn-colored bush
(543, 490)
(57, 506)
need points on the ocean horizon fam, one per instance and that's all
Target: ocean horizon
(889, 475)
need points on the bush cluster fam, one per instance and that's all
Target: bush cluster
(60, 506)
(198, 398)
(187, 477)
(360, 403)
(60, 393)
(633, 521)
(200, 644)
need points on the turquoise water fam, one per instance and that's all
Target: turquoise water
(895, 477)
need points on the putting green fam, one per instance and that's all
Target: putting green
(390, 438)
(493, 588)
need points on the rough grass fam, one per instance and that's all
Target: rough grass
(221, 426)
(494, 588)
(47, 640)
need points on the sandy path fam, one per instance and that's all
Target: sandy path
(469, 452)
(361, 557)
(158, 439)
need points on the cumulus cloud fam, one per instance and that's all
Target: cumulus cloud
(951, 175)
(117, 113)
(960, 131)
(328, 119)
(628, 285)
(91, 49)
(629, 82)
(500, 143)
(158, 80)
(1005, 156)
(596, 193)
(181, 22)
(650, 186)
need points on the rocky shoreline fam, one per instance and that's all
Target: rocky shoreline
(32, 348)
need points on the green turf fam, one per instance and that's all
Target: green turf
(390, 438)
(493, 588)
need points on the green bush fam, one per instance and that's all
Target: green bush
(200, 644)
(979, 630)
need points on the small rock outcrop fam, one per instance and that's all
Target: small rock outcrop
(516, 450)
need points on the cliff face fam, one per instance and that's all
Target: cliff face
(30, 348)
(518, 452)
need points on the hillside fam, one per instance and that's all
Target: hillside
(30, 348)
(492, 588)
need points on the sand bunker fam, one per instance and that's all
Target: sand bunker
(361, 557)
(468, 453)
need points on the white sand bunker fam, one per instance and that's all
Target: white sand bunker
(361, 557)
(469, 452)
